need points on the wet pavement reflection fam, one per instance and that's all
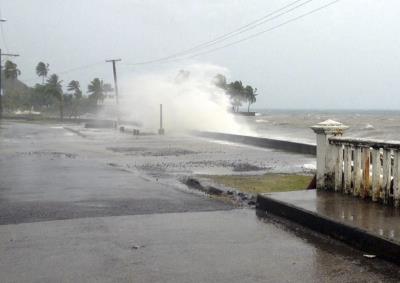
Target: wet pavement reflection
(373, 217)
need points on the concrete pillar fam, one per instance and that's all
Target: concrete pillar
(326, 162)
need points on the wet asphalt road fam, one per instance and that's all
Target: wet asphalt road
(74, 210)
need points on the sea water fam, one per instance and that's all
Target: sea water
(294, 125)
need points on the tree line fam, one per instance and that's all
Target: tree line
(49, 96)
(237, 92)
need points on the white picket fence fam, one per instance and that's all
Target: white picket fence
(362, 167)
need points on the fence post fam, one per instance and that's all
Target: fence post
(387, 175)
(339, 168)
(357, 171)
(365, 164)
(396, 178)
(347, 169)
(325, 160)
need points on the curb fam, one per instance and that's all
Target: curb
(351, 235)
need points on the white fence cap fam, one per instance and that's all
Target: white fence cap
(329, 127)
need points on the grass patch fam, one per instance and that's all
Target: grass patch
(264, 183)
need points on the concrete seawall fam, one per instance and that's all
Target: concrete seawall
(261, 142)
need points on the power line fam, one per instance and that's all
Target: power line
(255, 34)
(253, 24)
(173, 59)
(223, 37)
(267, 30)
(260, 23)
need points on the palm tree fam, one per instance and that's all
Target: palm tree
(42, 70)
(220, 81)
(96, 90)
(76, 88)
(11, 70)
(250, 95)
(54, 88)
(237, 94)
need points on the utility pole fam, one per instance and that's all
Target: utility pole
(1, 85)
(115, 84)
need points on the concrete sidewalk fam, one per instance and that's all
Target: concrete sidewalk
(371, 227)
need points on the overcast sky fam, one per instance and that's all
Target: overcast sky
(344, 56)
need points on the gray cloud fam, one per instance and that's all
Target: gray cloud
(346, 56)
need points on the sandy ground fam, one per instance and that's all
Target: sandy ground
(84, 205)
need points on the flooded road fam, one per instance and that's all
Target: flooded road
(100, 206)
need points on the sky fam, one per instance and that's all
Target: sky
(346, 56)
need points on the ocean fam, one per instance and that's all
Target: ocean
(294, 125)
